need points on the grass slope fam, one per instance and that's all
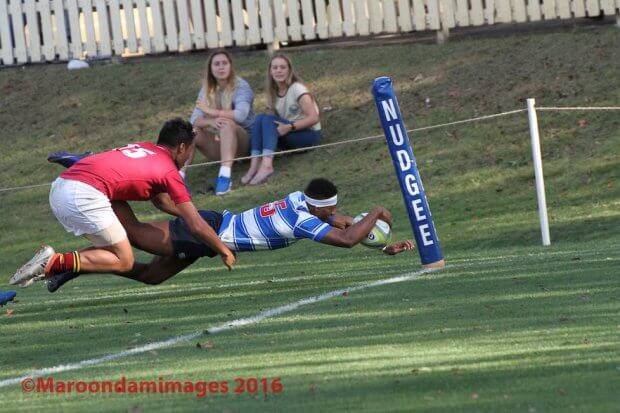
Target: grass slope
(509, 326)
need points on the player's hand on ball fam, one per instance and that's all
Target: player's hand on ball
(229, 259)
(380, 235)
(398, 247)
(385, 215)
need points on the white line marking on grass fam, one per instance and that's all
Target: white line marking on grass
(213, 330)
(170, 287)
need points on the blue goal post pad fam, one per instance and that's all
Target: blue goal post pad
(407, 172)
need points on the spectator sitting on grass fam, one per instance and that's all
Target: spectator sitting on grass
(223, 117)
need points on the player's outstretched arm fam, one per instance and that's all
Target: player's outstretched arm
(398, 247)
(355, 233)
(203, 231)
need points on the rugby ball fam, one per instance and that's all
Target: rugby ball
(379, 236)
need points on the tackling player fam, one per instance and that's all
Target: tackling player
(81, 201)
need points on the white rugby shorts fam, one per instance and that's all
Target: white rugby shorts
(83, 210)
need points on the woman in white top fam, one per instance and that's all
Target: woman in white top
(293, 121)
(223, 116)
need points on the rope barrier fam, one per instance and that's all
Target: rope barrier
(580, 108)
(347, 141)
(442, 125)
(24, 187)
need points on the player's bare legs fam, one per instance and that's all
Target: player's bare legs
(155, 272)
(116, 258)
(158, 270)
(151, 237)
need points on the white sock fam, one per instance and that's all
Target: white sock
(225, 171)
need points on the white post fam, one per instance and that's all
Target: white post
(538, 172)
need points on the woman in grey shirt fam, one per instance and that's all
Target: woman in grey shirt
(223, 117)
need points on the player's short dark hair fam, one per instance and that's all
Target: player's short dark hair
(321, 188)
(175, 132)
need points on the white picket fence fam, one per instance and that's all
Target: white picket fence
(52, 30)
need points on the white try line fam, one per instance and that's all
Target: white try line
(212, 330)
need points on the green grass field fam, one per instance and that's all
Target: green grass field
(508, 326)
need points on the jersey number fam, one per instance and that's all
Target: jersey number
(135, 151)
(269, 209)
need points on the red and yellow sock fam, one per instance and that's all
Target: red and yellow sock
(69, 261)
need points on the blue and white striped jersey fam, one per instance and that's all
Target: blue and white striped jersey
(272, 226)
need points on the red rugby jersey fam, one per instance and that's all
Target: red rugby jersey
(136, 172)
